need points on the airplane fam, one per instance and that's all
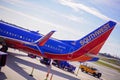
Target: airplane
(36, 44)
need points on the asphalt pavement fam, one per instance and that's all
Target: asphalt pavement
(19, 67)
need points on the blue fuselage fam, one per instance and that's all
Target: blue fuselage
(13, 32)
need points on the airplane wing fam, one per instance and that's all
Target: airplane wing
(44, 39)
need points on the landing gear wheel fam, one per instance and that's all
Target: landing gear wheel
(4, 49)
(32, 56)
(3, 44)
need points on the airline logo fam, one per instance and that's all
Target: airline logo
(94, 34)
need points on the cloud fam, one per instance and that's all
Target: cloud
(21, 3)
(90, 10)
(25, 15)
(16, 2)
(60, 28)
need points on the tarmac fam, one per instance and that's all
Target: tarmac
(19, 67)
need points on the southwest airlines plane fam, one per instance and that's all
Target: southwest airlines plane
(37, 44)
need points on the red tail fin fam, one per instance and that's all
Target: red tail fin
(93, 42)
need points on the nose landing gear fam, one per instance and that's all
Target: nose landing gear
(4, 48)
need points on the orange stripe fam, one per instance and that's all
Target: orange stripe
(95, 50)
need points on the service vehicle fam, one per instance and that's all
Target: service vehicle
(64, 65)
(90, 70)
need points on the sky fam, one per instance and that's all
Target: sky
(71, 19)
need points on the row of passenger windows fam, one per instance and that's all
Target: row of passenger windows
(16, 35)
(52, 47)
(27, 39)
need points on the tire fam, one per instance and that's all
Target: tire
(98, 75)
(94, 74)
(31, 56)
(4, 49)
(82, 70)
(4, 46)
